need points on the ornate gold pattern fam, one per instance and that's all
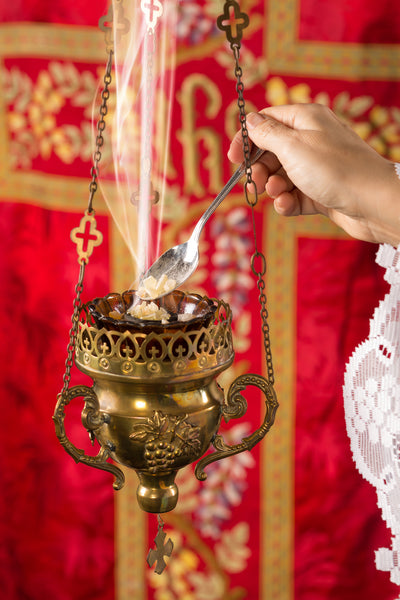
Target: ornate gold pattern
(166, 438)
(291, 56)
(92, 420)
(159, 356)
(191, 136)
(235, 406)
(161, 413)
(155, 405)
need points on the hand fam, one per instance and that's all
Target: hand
(315, 164)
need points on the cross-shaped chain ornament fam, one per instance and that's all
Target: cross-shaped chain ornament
(152, 10)
(153, 198)
(162, 549)
(233, 21)
(86, 237)
(106, 24)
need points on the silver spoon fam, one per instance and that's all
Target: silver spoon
(179, 262)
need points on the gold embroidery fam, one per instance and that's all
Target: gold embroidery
(379, 126)
(35, 109)
(287, 54)
(161, 141)
(191, 136)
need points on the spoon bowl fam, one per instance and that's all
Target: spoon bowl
(177, 263)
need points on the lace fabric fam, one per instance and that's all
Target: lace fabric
(372, 407)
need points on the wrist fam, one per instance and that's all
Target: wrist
(386, 222)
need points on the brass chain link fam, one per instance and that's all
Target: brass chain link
(74, 330)
(101, 125)
(94, 172)
(258, 256)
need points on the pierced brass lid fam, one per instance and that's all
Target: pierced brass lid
(185, 351)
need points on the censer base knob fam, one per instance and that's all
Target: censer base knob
(157, 493)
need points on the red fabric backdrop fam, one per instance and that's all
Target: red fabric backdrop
(293, 520)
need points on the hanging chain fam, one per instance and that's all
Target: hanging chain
(232, 21)
(78, 233)
(73, 331)
(101, 125)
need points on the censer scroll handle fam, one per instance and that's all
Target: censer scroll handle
(92, 419)
(235, 406)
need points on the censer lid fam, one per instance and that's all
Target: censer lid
(197, 345)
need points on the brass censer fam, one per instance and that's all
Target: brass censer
(155, 405)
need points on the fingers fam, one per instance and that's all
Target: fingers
(274, 128)
(278, 184)
(235, 152)
(259, 174)
(301, 116)
(262, 169)
(264, 131)
(288, 200)
(294, 203)
(287, 204)
(268, 133)
(291, 136)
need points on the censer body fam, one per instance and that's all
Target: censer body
(142, 430)
(155, 405)
(145, 425)
(128, 403)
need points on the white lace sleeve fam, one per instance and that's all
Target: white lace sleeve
(372, 408)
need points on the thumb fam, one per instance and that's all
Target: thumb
(268, 133)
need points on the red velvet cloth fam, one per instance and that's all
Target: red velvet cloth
(358, 21)
(57, 518)
(336, 516)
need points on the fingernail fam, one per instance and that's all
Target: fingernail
(253, 119)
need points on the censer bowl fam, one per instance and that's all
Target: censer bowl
(155, 405)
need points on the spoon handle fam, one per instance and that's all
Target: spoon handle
(256, 153)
